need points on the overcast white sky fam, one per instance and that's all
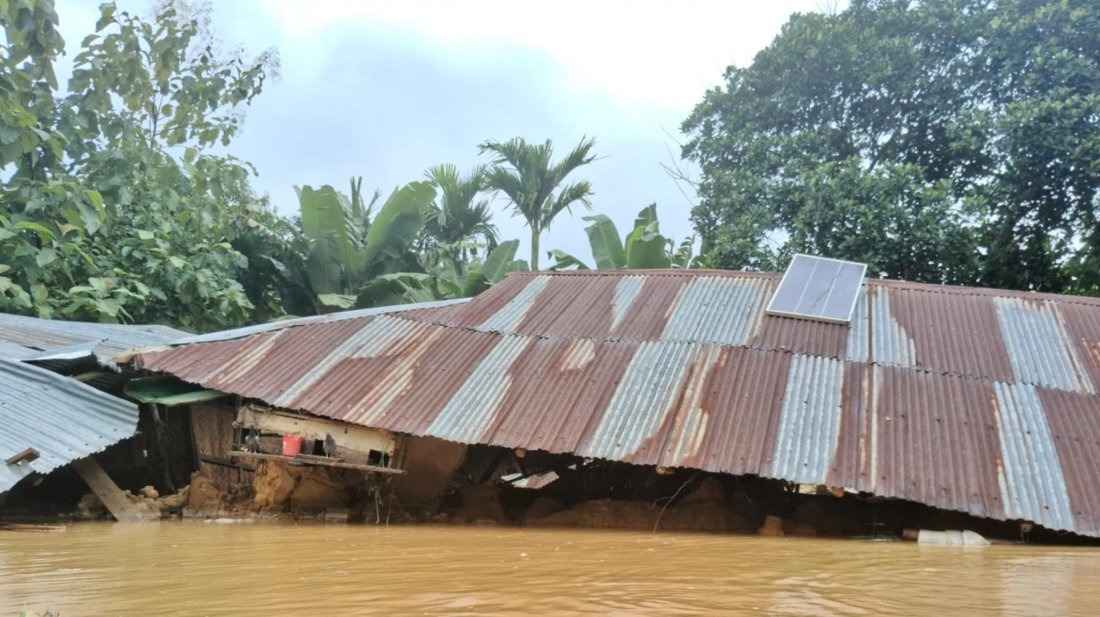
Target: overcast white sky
(387, 89)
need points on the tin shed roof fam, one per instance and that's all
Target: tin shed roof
(31, 338)
(977, 400)
(58, 416)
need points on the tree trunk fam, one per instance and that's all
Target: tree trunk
(534, 249)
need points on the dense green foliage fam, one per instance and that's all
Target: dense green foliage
(99, 218)
(955, 141)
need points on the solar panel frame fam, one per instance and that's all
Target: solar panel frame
(771, 310)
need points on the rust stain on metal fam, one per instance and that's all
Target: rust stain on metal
(953, 333)
(851, 465)
(1075, 428)
(937, 442)
(923, 398)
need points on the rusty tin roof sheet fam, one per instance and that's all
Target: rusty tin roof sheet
(975, 400)
(31, 338)
(60, 417)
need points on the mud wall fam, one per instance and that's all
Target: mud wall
(429, 464)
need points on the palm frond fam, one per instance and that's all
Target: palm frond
(580, 155)
(569, 195)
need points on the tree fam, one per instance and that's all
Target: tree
(113, 207)
(457, 221)
(948, 142)
(644, 247)
(526, 174)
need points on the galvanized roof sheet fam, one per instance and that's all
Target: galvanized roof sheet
(30, 338)
(684, 370)
(1041, 339)
(423, 308)
(58, 416)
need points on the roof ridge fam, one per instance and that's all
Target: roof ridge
(934, 288)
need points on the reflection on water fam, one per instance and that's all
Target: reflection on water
(196, 569)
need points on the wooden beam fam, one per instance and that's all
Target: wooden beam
(320, 461)
(25, 456)
(115, 500)
(350, 436)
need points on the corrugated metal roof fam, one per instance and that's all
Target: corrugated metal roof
(60, 417)
(422, 309)
(616, 366)
(1042, 339)
(30, 338)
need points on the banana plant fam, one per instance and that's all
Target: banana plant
(644, 247)
(349, 248)
(444, 281)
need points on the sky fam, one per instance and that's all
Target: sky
(385, 90)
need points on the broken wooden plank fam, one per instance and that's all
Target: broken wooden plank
(25, 456)
(113, 498)
(317, 460)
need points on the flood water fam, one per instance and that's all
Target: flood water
(196, 569)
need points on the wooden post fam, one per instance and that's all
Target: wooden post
(116, 501)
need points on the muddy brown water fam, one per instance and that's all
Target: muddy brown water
(196, 569)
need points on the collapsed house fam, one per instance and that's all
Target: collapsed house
(61, 401)
(978, 401)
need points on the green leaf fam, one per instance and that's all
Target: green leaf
(340, 301)
(399, 220)
(564, 261)
(44, 234)
(40, 293)
(45, 257)
(645, 246)
(603, 237)
(496, 264)
(337, 254)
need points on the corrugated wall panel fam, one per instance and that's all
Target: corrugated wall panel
(1074, 421)
(1031, 479)
(810, 419)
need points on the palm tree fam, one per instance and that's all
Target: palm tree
(524, 172)
(454, 219)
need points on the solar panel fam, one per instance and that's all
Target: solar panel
(818, 288)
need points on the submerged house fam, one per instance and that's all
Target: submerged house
(980, 401)
(61, 394)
